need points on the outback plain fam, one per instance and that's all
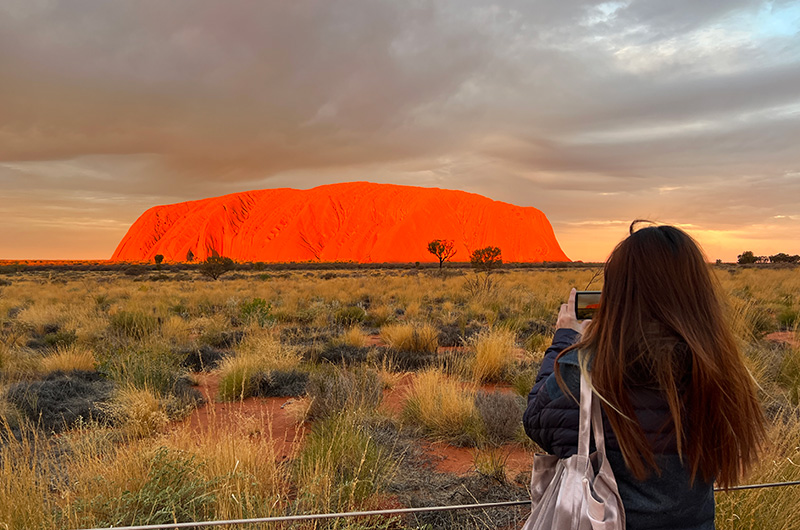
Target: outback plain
(151, 394)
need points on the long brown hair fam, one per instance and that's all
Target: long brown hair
(661, 324)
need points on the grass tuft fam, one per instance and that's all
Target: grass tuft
(443, 408)
(340, 466)
(68, 359)
(138, 411)
(334, 391)
(501, 414)
(415, 338)
(494, 354)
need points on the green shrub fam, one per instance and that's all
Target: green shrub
(349, 316)
(152, 367)
(173, 493)
(339, 466)
(337, 390)
(256, 310)
(135, 270)
(60, 338)
(215, 266)
(501, 415)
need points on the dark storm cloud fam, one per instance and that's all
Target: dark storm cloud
(624, 108)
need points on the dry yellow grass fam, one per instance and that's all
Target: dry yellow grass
(68, 358)
(267, 349)
(773, 508)
(442, 405)
(494, 354)
(176, 331)
(24, 490)
(412, 337)
(100, 468)
(254, 478)
(353, 336)
(138, 411)
(258, 352)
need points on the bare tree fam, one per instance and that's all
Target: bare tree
(444, 249)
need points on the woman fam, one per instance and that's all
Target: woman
(679, 407)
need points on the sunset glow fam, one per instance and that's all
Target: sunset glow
(595, 113)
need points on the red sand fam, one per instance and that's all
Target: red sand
(788, 337)
(355, 221)
(268, 415)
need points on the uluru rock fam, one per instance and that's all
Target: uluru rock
(354, 221)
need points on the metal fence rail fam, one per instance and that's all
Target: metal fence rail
(395, 511)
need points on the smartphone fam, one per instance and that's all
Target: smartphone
(586, 304)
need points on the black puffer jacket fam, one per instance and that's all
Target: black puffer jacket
(665, 501)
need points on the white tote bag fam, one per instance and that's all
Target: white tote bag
(579, 492)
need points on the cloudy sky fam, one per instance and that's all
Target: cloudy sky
(681, 111)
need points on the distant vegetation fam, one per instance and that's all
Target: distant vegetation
(748, 257)
(215, 266)
(111, 361)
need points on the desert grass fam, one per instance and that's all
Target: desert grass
(353, 336)
(336, 390)
(139, 412)
(81, 477)
(68, 358)
(443, 407)
(494, 354)
(773, 508)
(23, 483)
(411, 337)
(537, 343)
(340, 466)
(257, 354)
(491, 462)
(251, 480)
(237, 377)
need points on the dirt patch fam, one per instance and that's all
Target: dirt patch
(786, 337)
(253, 416)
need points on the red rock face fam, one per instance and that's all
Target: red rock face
(355, 221)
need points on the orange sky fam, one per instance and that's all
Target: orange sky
(682, 112)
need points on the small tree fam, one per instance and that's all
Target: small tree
(444, 249)
(483, 260)
(215, 266)
(158, 259)
(747, 257)
(486, 259)
(782, 257)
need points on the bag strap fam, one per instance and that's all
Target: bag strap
(591, 420)
(585, 424)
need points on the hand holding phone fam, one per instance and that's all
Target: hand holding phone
(586, 304)
(566, 316)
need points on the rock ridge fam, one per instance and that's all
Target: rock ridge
(353, 221)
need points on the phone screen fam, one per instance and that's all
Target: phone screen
(586, 303)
